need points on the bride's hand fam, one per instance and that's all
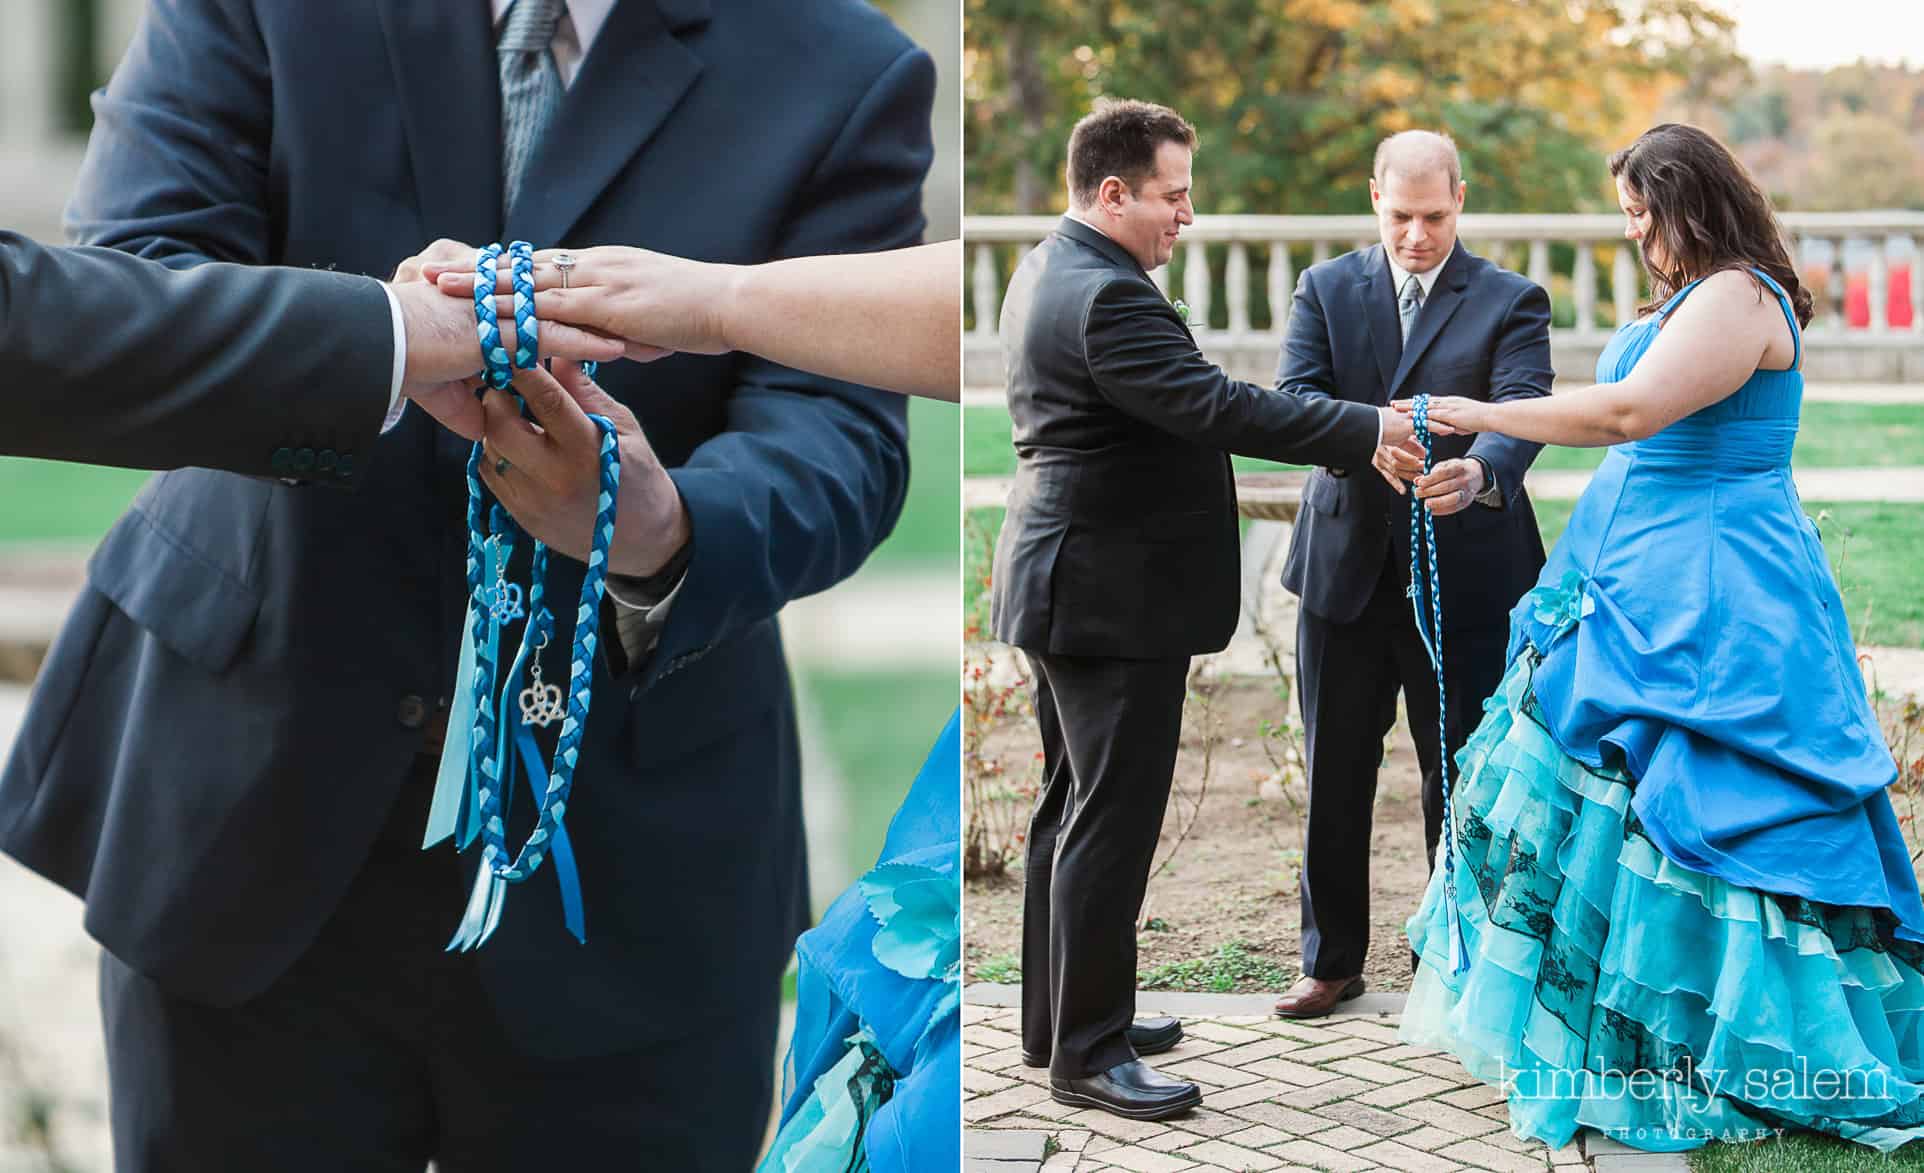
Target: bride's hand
(657, 304)
(1453, 415)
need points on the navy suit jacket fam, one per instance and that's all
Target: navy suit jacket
(225, 720)
(1484, 333)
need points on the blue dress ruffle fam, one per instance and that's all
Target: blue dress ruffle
(1687, 907)
(1612, 988)
(1714, 661)
(874, 1069)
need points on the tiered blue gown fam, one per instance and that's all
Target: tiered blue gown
(874, 1070)
(1674, 853)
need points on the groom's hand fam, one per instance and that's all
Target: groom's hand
(1400, 464)
(1397, 457)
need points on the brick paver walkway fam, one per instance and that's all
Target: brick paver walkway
(1339, 1094)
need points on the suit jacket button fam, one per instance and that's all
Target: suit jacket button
(412, 711)
(325, 461)
(282, 461)
(344, 466)
(304, 461)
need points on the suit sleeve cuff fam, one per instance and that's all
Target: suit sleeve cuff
(1492, 494)
(396, 406)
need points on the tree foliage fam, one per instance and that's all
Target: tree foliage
(1290, 97)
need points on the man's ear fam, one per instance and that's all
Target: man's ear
(1375, 196)
(1462, 187)
(1109, 194)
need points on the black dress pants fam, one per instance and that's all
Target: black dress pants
(1110, 729)
(379, 1051)
(1348, 675)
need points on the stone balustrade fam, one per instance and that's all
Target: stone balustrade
(1592, 274)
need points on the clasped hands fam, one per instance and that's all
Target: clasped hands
(1450, 486)
(546, 470)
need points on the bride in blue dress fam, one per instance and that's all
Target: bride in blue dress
(1676, 905)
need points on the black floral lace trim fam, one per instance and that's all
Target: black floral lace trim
(1519, 895)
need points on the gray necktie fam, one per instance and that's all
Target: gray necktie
(1406, 306)
(530, 87)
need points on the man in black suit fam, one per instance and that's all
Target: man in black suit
(118, 360)
(1117, 562)
(231, 749)
(1418, 313)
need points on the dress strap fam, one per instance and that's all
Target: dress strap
(1790, 318)
(1676, 299)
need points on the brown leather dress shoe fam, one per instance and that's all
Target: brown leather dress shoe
(1314, 997)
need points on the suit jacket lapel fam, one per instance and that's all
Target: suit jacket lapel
(1379, 314)
(633, 77)
(443, 60)
(1444, 297)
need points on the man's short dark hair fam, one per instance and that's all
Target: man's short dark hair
(1120, 137)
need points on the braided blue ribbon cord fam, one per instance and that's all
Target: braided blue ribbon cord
(475, 787)
(1429, 623)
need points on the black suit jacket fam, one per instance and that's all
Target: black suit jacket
(115, 360)
(1121, 537)
(227, 717)
(1483, 332)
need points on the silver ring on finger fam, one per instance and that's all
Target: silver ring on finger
(565, 262)
(501, 466)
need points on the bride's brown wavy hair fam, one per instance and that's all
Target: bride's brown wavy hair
(1706, 214)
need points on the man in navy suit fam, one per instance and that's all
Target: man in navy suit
(230, 750)
(1418, 313)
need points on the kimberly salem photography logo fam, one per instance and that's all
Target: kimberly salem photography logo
(1800, 1083)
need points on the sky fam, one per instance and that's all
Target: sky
(1809, 34)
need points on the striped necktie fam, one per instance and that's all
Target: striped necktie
(530, 87)
(1406, 306)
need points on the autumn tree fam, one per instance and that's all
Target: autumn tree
(1291, 96)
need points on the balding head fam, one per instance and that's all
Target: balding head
(1417, 192)
(1414, 154)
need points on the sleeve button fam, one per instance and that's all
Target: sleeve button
(412, 711)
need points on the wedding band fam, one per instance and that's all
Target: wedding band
(501, 467)
(566, 263)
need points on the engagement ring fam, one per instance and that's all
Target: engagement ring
(566, 263)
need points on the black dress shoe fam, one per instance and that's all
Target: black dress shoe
(1149, 1036)
(1134, 1090)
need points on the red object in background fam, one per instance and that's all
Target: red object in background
(1897, 299)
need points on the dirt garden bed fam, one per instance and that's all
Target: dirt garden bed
(1224, 914)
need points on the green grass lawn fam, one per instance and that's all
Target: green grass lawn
(1834, 435)
(879, 726)
(46, 500)
(43, 500)
(1875, 549)
(1801, 1153)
